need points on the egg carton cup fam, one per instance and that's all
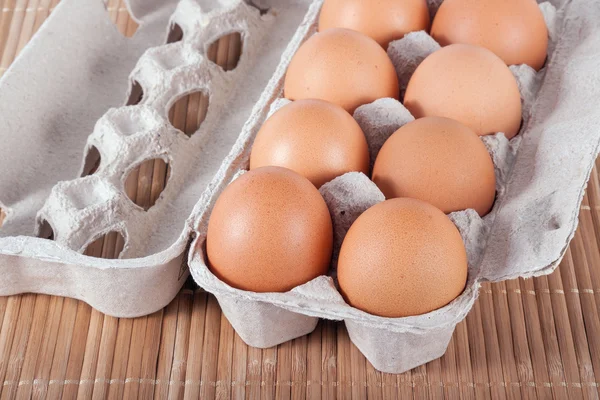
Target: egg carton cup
(51, 126)
(541, 177)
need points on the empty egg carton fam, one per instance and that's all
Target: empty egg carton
(541, 177)
(75, 212)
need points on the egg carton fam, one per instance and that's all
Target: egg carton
(48, 132)
(45, 128)
(541, 178)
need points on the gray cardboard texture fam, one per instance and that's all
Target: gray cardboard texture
(541, 176)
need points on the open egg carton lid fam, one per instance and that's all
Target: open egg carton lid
(63, 99)
(541, 179)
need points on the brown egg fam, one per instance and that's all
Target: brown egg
(469, 84)
(343, 67)
(270, 231)
(513, 29)
(400, 258)
(440, 161)
(317, 139)
(382, 20)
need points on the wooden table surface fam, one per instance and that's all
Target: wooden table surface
(537, 338)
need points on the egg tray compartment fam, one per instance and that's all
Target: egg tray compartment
(541, 177)
(151, 268)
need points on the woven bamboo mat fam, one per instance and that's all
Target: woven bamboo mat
(537, 338)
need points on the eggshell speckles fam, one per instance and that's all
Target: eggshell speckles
(343, 67)
(514, 30)
(270, 231)
(440, 161)
(382, 20)
(400, 258)
(469, 84)
(317, 139)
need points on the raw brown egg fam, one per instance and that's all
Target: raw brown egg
(343, 67)
(514, 30)
(440, 161)
(270, 231)
(469, 84)
(317, 139)
(400, 258)
(382, 20)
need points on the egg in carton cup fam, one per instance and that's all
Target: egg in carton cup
(541, 176)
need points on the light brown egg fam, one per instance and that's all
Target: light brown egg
(343, 67)
(400, 258)
(514, 30)
(440, 161)
(382, 20)
(469, 84)
(270, 231)
(317, 139)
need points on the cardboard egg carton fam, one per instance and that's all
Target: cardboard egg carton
(55, 99)
(63, 101)
(541, 177)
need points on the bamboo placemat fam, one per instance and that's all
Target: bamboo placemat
(537, 338)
